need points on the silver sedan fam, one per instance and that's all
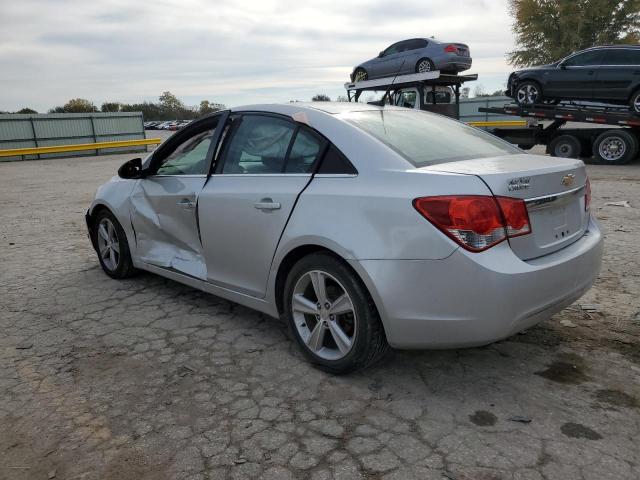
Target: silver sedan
(362, 227)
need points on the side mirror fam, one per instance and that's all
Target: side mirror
(131, 169)
(381, 54)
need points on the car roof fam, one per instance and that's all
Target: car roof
(606, 47)
(332, 108)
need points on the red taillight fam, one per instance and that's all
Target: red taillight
(451, 49)
(516, 217)
(587, 194)
(476, 222)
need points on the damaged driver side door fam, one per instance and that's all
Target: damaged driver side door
(164, 204)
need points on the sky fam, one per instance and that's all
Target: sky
(230, 52)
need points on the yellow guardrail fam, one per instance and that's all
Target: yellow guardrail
(19, 152)
(500, 123)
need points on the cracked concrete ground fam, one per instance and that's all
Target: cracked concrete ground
(149, 379)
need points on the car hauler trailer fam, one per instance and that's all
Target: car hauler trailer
(617, 145)
(425, 86)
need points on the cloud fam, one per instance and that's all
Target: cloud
(235, 52)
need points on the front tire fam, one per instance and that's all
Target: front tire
(332, 316)
(111, 245)
(360, 75)
(615, 147)
(528, 93)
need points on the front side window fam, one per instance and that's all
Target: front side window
(424, 138)
(258, 146)
(407, 99)
(395, 48)
(590, 58)
(190, 157)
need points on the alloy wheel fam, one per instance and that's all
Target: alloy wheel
(612, 149)
(424, 66)
(108, 244)
(324, 315)
(527, 94)
(360, 75)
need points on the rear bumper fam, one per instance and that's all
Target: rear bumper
(471, 299)
(455, 62)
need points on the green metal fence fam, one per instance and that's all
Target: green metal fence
(44, 130)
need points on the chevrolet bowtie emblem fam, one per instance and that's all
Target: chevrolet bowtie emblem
(568, 179)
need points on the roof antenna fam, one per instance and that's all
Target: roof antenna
(380, 103)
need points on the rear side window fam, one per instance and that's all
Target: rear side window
(622, 56)
(334, 162)
(416, 44)
(304, 152)
(424, 138)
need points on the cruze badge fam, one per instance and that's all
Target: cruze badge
(568, 179)
(519, 183)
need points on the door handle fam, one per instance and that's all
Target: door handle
(267, 204)
(187, 204)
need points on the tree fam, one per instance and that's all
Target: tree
(26, 110)
(207, 107)
(547, 30)
(320, 97)
(342, 98)
(170, 103)
(79, 105)
(111, 107)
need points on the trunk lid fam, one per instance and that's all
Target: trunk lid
(463, 50)
(553, 189)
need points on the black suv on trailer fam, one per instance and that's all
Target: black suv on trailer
(609, 74)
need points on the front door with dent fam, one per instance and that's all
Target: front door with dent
(265, 164)
(164, 204)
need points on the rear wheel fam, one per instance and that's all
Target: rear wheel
(332, 316)
(528, 93)
(425, 65)
(634, 102)
(565, 146)
(615, 147)
(111, 246)
(360, 75)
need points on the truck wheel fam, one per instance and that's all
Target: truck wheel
(615, 147)
(528, 93)
(565, 146)
(634, 102)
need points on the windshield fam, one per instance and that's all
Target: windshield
(425, 139)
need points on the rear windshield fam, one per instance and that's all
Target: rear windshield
(425, 139)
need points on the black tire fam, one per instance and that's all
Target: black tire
(615, 147)
(565, 146)
(370, 343)
(425, 62)
(124, 266)
(528, 99)
(360, 75)
(634, 102)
